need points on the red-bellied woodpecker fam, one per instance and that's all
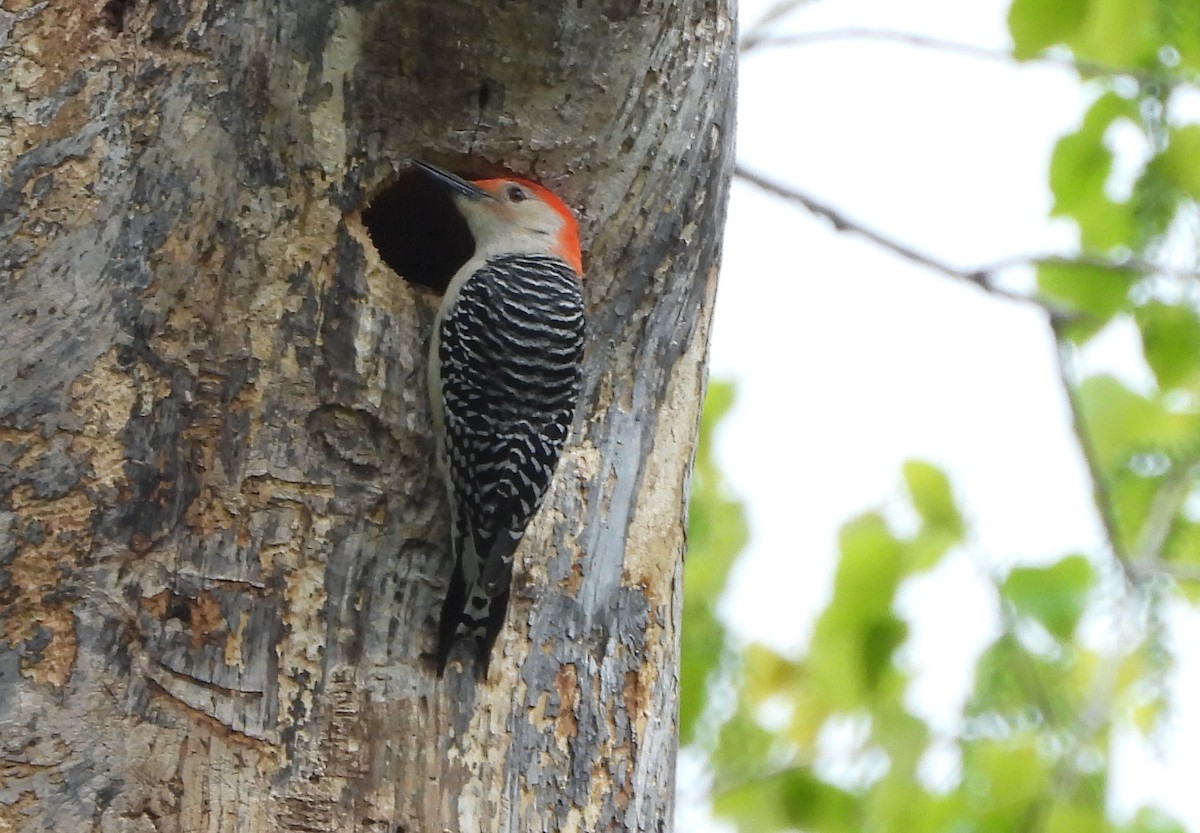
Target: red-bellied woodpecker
(504, 377)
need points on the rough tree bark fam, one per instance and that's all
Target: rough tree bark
(221, 542)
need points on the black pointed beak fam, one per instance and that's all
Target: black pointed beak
(455, 183)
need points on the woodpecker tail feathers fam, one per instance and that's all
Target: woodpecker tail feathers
(474, 608)
(470, 615)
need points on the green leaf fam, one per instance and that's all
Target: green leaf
(768, 677)
(869, 570)
(1132, 496)
(699, 653)
(1183, 546)
(1054, 596)
(1079, 171)
(1119, 422)
(855, 638)
(900, 803)
(1151, 820)
(1094, 290)
(1180, 21)
(743, 750)
(1075, 818)
(942, 526)
(791, 799)
(1179, 160)
(717, 532)
(1036, 24)
(931, 495)
(718, 402)
(1119, 33)
(1154, 203)
(1011, 684)
(1138, 444)
(1007, 779)
(766, 674)
(1171, 340)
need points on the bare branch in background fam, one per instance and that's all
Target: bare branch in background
(1156, 568)
(1101, 496)
(759, 38)
(1145, 558)
(778, 41)
(759, 31)
(981, 278)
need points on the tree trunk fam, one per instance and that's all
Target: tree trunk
(222, 544)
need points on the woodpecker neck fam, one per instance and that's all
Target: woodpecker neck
(496, 235)
(521, 241)
(567, 246)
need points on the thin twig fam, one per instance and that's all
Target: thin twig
(1125, 264)
(759, 39)
(1163, 512)
(983, 277)
(980, 278)
(1146, 558)
(751, 37)
(1101, 497)
(741, 780)
(1181, 572)
(887, 36)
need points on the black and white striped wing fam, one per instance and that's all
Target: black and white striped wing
(510, 357)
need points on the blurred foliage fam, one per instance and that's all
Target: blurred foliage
(717, 532)
(1139, 269)
(827, 741)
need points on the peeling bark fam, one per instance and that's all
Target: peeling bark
(222, 545)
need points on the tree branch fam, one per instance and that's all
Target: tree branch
(759, 31)
(1101, 497)
(983, 278)
(760, 38)
(1164, 510)
(1151, 537)
(1156, 568)
(765, 39)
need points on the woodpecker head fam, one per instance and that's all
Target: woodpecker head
(513, 215)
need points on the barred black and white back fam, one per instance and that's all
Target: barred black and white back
(508, 352)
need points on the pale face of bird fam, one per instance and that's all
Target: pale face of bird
(520, 216)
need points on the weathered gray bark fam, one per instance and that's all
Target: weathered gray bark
(221, 545)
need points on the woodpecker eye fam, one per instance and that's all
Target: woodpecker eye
(516, 193)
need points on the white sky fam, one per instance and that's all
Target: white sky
(849, 361)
